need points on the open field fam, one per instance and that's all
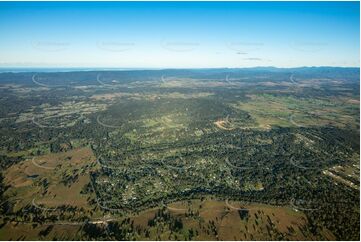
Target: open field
(51, 180)
(299, 112)
(18, 231)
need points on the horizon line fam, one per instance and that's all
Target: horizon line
(167, 68)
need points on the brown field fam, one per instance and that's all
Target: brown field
(18, 231)
(221, 124)
(265, 222)
(25, 179)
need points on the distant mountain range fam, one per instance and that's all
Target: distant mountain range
(258, 68)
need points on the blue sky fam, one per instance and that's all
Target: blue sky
(179, 34)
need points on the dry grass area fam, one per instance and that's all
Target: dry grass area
(222, 124)
(226, 124)
(18, 231)
(51, 180)
(262, 222)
